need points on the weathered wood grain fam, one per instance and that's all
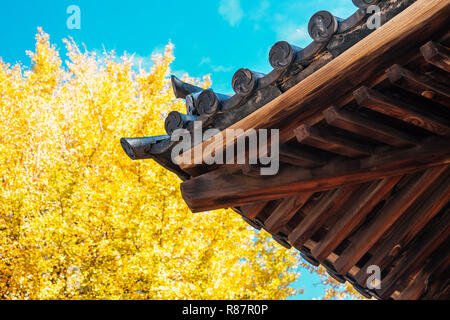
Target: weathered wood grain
(351, 216)
(419, 84)
(414, 114)
(251, 211)
(220, 189)
(322, 139)
(366, 127)
(437, 55)
(315, 219)
(416, 218)
(299, 157)
(368, 236)
(285, 211)
(410, 263)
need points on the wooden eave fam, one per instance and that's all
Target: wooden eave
(364, 125)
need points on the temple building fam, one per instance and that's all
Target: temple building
(363, 114)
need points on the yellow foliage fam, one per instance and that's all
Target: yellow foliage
(334, 290)
(80, 220)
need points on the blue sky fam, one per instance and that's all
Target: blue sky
(214, 37)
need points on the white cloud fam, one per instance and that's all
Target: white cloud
(146, 62)
(143, 62)
(215, 68)
(205, 60)
(260, 13)
(221, 68)
(293, 33)
(231, 11)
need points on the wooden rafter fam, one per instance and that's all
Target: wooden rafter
(366, 127)
(368, 236)
(414, 114)
(373, 54)
(218, 189)
(404, 232)
(351, 216)
(437, 55)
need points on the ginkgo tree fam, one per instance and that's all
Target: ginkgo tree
(80, 220)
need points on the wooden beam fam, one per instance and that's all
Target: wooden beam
(221, 189)
(402, 234)
(362, 64)
(438, 284)
(366, 127)
(414, 83)
(437, 55)
(314, 221)
(324, 140)
(351, 216)
(415, 289)
(421, 283)
(315, 199)
(419, 251)
(299, 157)
(285, 211)
(251, 211)
(398, 109)
(367, 236)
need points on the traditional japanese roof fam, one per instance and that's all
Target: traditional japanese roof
(364, 123)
